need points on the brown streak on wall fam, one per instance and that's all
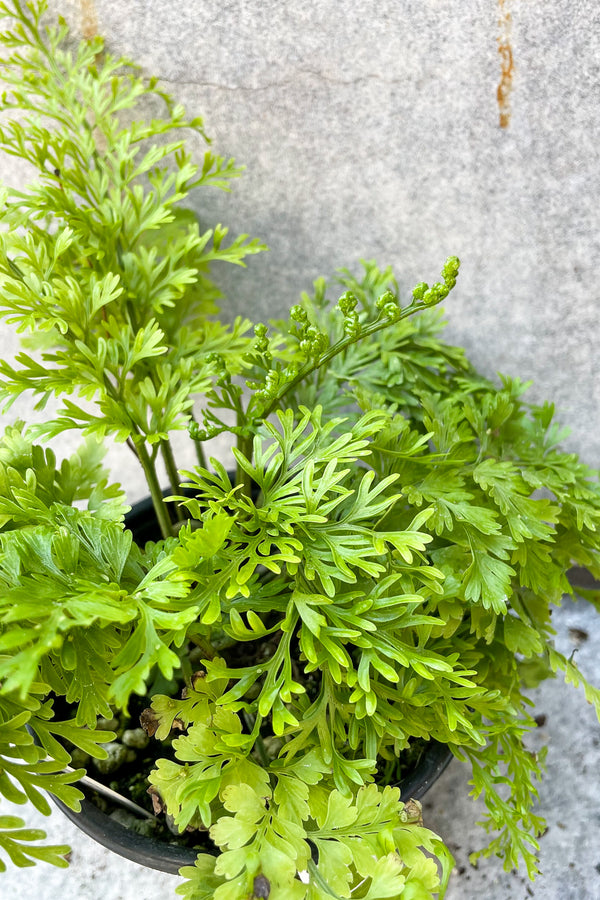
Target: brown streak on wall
(507, 64)
(89, 19)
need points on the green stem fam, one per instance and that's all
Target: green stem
(258, 743)
(262, 751)
(203, 645)
(137, 443)
(160, 507)
(172, 474)
(244, 445)
(320, 881)
(381, 323)
(200, 456)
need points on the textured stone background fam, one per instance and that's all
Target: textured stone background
(400, 132)
(373, 130)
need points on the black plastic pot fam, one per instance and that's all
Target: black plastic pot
(146, 851)
(430, 766)
(139, 848)
(170, 857)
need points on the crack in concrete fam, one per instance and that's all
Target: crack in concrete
(371, 76)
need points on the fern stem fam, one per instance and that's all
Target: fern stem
(262, 751)
(244, 445)
(380, 323)
(203, 645)
(200, 455)
(169, 459)
(160, 507)
(259, 743)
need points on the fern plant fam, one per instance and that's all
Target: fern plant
(380, 570)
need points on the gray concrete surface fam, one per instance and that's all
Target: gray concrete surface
(375, 131)
(569, 793)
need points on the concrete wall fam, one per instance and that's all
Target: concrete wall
(404, 131)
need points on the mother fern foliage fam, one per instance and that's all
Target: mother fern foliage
(377, 573)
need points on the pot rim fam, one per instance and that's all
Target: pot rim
(170, 857)
(138, 848)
